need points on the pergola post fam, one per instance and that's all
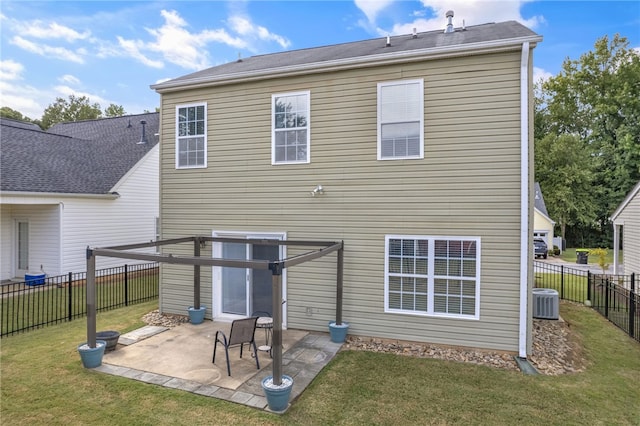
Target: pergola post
(91, 298)
(196, 274)
(276, 342)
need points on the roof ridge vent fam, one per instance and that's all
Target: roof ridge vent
(449, 28)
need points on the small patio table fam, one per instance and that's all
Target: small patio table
(266, 323)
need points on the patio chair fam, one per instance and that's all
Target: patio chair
(242, 331)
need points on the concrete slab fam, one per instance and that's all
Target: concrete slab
(181, 358)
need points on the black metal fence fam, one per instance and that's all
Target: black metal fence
(616, 297)
(39, 302)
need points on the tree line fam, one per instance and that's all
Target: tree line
(64, 110)
(587, 140)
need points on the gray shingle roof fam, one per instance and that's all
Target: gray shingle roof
(86, 157)
(538, 200)
(367, 49)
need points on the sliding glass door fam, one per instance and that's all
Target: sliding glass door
(242, 291)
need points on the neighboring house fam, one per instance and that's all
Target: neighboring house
(542, 223)
(626, 222)
(422, 144)
(77, 184)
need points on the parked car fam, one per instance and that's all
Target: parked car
(540, 249)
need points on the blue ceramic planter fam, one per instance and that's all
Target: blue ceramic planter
(92, 357)
(277, 397)
(338, 333)
(196, 316)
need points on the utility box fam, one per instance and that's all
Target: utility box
(546, 303)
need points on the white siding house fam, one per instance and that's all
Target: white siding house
(79, 184)
(626, 222)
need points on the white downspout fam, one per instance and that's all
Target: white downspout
(525, 247)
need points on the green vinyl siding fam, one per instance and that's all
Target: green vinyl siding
(467, 184)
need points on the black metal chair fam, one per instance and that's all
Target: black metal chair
(242, 331)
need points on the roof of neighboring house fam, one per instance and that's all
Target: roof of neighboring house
(21, 124)
(626, 201)
(361, 53)
(538, 200)
(85, 157)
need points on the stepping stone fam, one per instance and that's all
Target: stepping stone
(140, 334)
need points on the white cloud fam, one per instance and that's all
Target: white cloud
(69, 79)
(52, 30)
(245, 27)
(540, 75)
(472, 12)
(49, 51)
(132, 48)
(371, 8)
(63, 91)
(10, 70)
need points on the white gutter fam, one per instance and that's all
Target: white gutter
(21, 194)
(349, 63)
(525, 247)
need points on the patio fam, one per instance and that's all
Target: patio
(180, 358)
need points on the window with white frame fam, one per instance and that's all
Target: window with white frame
(432, 275)
(290, 123)
(191, 136)
(401, 120)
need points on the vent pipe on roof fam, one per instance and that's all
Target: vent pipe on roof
(415, 33)
(388, 41)
(449, 28)
(143, 139)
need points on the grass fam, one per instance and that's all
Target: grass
(569, 255)
(43, 382)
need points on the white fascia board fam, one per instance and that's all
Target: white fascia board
(349, 63)
(36, 197)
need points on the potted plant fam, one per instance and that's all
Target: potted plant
(92, 357)
(196, 315)
(277, 394)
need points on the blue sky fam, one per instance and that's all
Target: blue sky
(112, 51)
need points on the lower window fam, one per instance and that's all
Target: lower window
(437, 276)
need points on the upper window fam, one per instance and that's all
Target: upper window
(191, 136)
(400, 120)
(290, 122)
(432, 276)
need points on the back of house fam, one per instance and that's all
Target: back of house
(415, 150)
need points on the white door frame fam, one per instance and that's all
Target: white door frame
(216, 272)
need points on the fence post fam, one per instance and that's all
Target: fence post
(606, 298)
(589, 287)
(126, 285)
(70, 298)
(632, 306)
(562, 282)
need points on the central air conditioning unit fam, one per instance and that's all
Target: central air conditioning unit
(545, 303)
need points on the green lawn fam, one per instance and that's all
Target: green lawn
(569, 255)
(44, 383)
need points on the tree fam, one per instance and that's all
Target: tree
(564, 171)
(597, 99)
(74, 109)
(114, 110)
